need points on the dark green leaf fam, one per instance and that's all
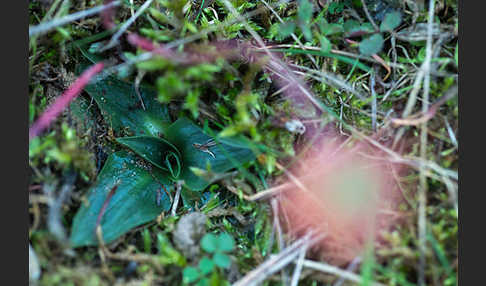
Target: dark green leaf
(209, 243)
(157, 151)
(134, 202)
(122, 109)
(228, 153)
(391, 21)
(190, 274)
(371, 45)
(225, 242)
(222, 260)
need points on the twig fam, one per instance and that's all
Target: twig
(176, 198)
(276, 223)
(452, 136)
(365, 8)
(293, 178)
(46, 27)
(412, 161)
(127, 256)
(326, 268)
(424, 117)
(263, 195)
(384, 64)
(114, 40)
(63, 101)
(330, 79)
(350, 268)
(277, 262)
(422, 195)
(373, 101)
(299, 265)
(338, 52)
(138, 79)
(280, 240)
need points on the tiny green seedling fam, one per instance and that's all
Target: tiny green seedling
(206, 273)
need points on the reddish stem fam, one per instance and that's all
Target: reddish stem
(107, 16)
(63, 101)
(105, 204)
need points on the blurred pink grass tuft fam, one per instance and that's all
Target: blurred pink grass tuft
(350, 195)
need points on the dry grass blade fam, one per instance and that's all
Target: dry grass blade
(48, 26)
(298, 266)
(424, 117)
(326, 268)
(177, 196)
(262, 195)
(329, 78)
(293, 178)
(114, 40)
(422, 195)
(277, 262)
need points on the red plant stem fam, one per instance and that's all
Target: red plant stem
(63, 101)
(140, 42)
(186, 58)
(108, 15)
(147, 45)
(105, 204)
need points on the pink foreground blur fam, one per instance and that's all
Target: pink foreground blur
(350, 195)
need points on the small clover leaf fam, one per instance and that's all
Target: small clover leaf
(371, 45)
(190, 274)
(209, 243)
(222, 260)
(225, 242)
(206, 265)
(391, 21)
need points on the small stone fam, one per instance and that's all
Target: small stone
(189, 230)
(295, 126)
